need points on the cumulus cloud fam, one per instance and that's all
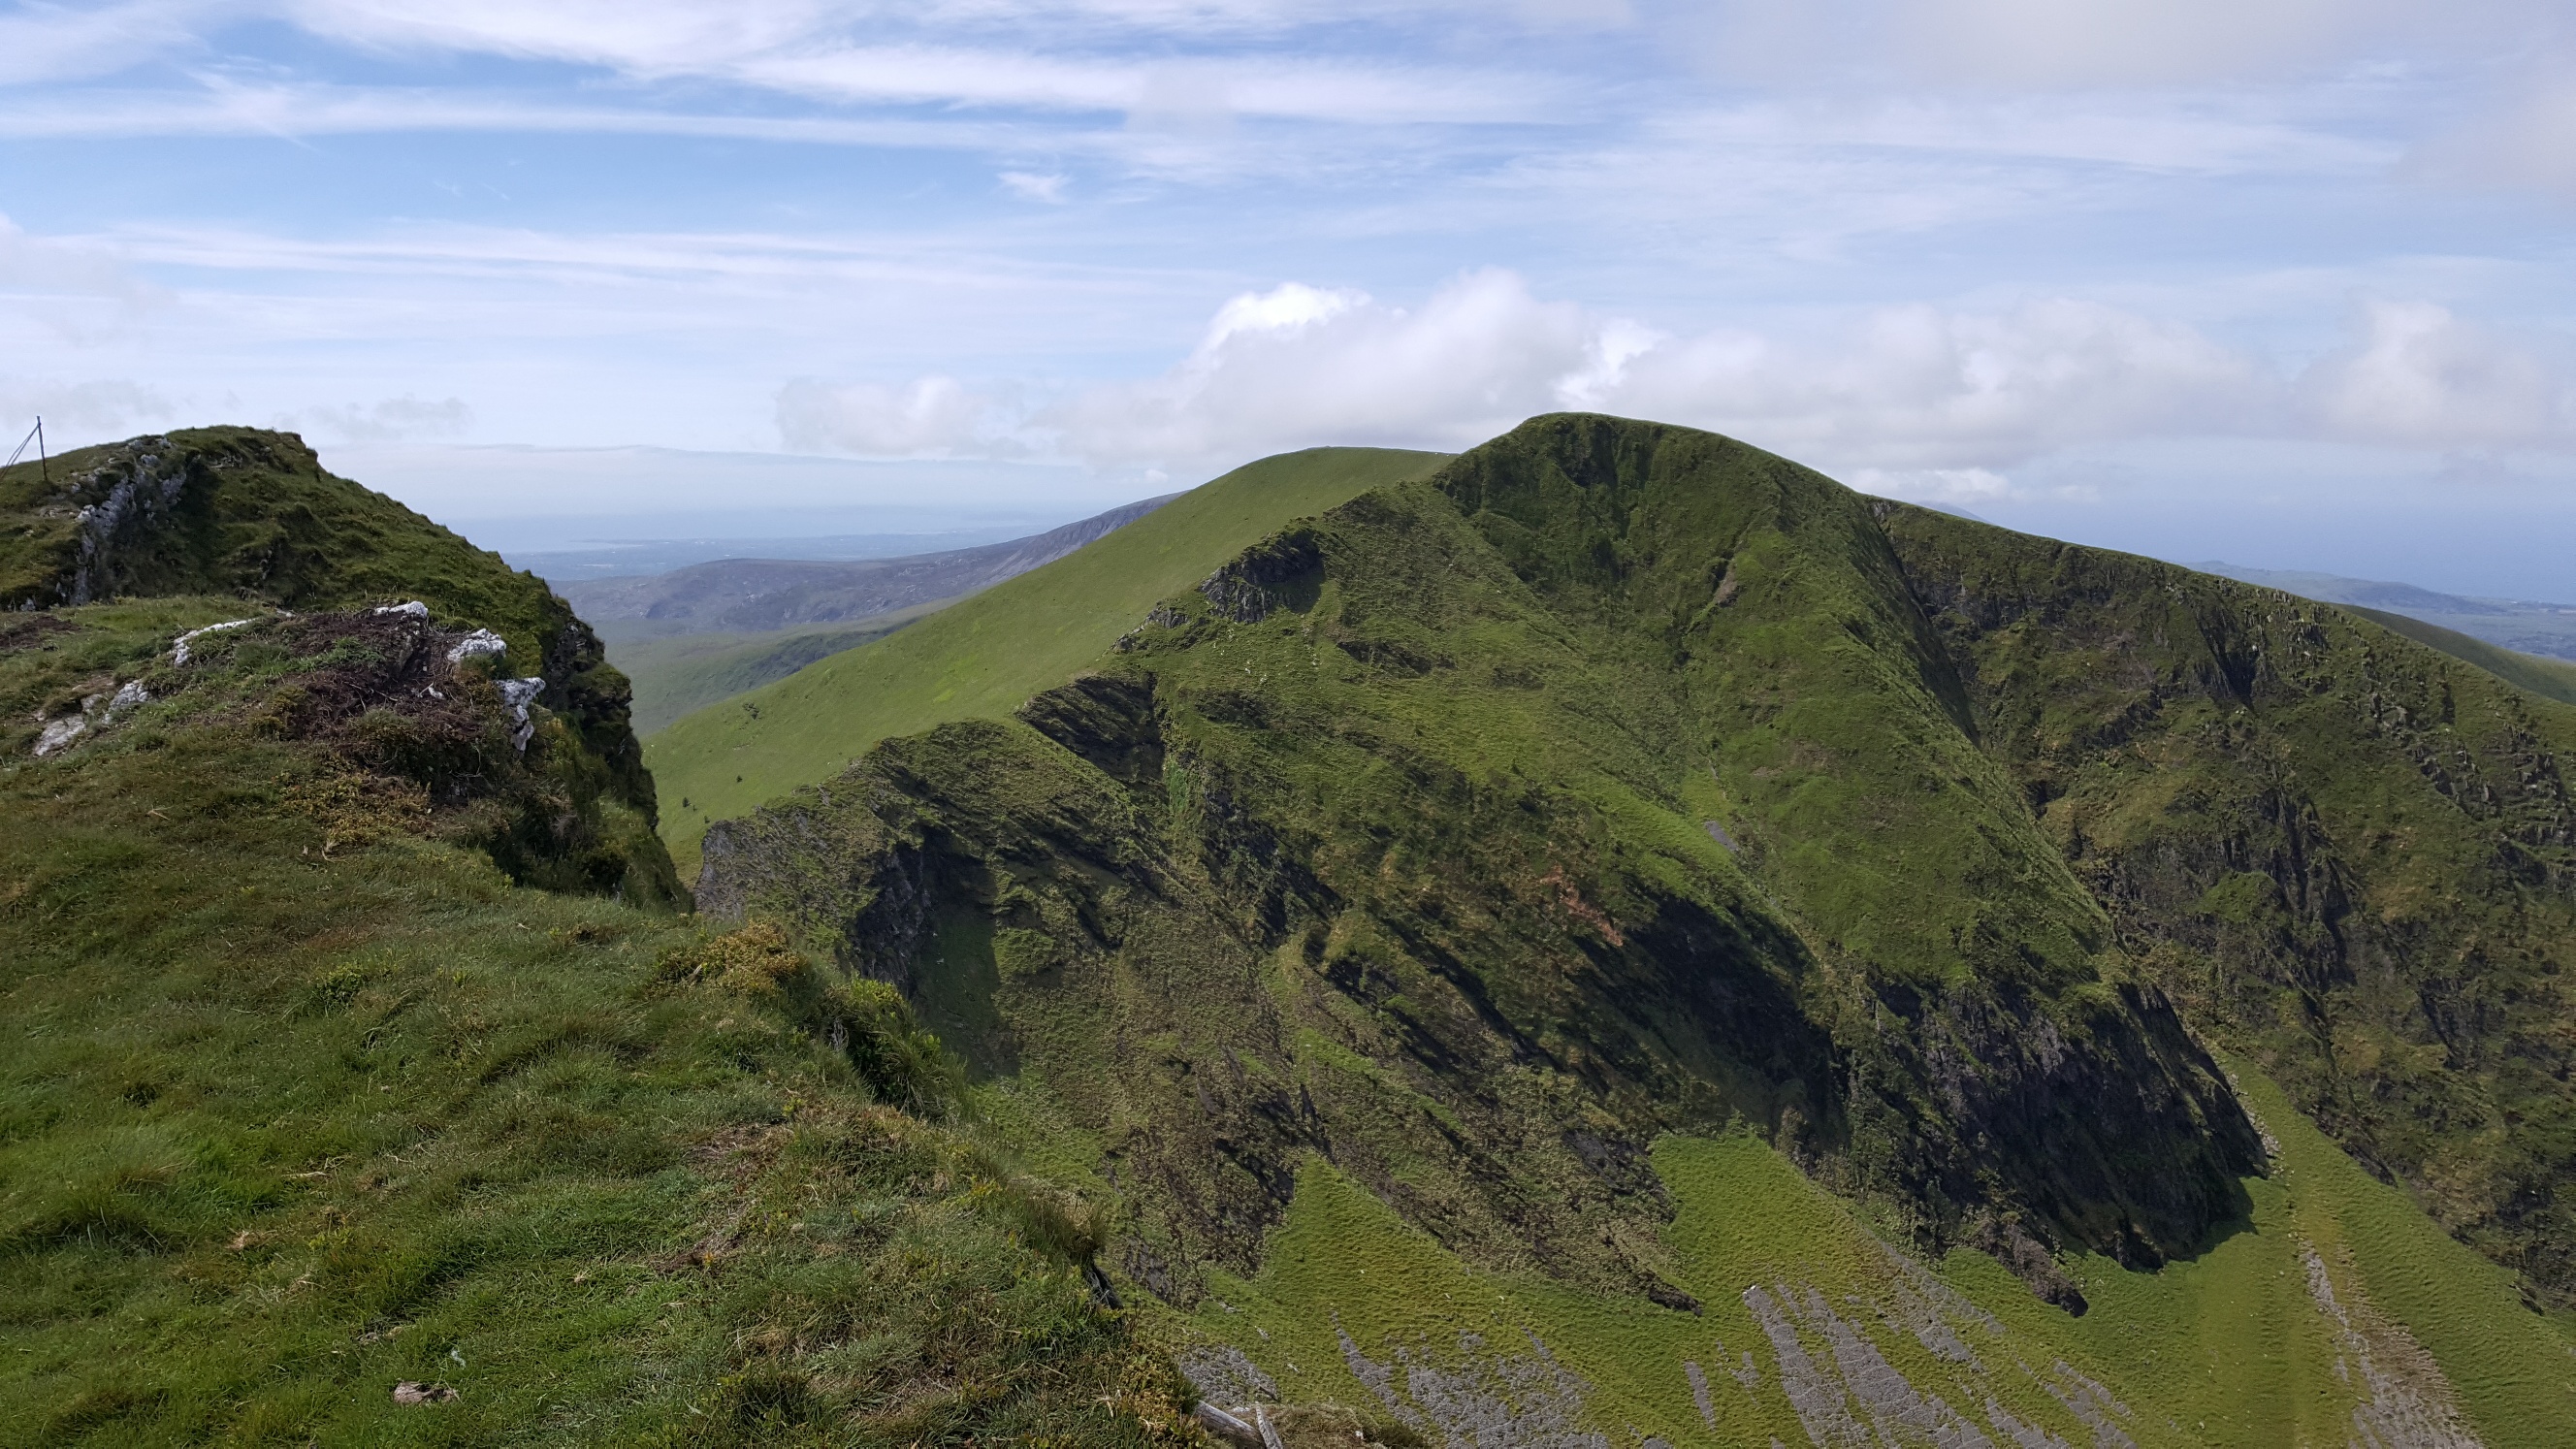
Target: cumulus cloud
(933, 417)
(1908, 388)
(2419, 376)
(1918, 387)
(393, 419)
(1299, 365)
(1919, 401)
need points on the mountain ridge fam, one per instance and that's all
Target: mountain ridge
(751, 595)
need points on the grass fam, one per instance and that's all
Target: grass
(679, 674)
(2227, 1348)
(1618, 785)
(2548, 678)
(981, 658)
(1412, 858)
(251, 514)
(298, 1103)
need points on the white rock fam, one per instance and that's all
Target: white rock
(518, 694)
(60, 733)
(415, 608)
(179, 646)
(480, 644)
(129, 697)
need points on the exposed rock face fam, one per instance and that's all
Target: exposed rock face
(1390, 844)
(2343, 853)
(250, 514)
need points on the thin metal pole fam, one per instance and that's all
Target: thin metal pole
(44, 469)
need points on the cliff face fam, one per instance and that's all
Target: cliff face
(1475, 833)
(2345, 854)
(250, 515)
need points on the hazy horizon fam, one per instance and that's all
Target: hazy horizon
(2279, 281)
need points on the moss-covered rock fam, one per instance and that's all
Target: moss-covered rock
(252, 515)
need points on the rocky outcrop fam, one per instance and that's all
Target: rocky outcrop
(1390, 844)
(252, 515)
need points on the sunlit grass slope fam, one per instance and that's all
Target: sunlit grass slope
(678, 675)
(983, 657)
(2549, 678)
(299, 1104)
(2235, 1347)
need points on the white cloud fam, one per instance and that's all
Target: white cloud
(60, 42)
(1934, 485)
(933, 417)
(1299, 365)
(77, 413)
(2526, 139)
(1918, 387)
(2081, 43)
(46, 265)
(1047, 187)
(1923, 402)
(1909, 388)
(390, 420)
(2421, 377)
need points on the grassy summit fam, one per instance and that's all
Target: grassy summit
(1457, 864)
(341, 1104)
(251, 516)
(982, 657)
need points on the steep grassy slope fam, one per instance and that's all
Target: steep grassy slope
(2346, 854)
(1478, 832)
(251, 515)
(1456, 853)
(302, 1103)
(2337, 1314)
(685, 673)
(2548, 678)
(982, 658)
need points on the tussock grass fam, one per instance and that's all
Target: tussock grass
(297, 1105)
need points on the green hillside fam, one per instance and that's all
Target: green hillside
(683, 673)
(1444, 931)
(251, 516)
(1612, 941)
(302, 1102)
(2548, 678)
(981, 658)
(2236, 1347)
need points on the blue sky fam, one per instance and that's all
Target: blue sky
(2280, 281)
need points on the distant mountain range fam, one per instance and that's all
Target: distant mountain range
(2533, 628)
(763, 595)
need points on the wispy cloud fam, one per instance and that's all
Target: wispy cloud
(389, 420)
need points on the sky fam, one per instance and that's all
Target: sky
(2283, 282)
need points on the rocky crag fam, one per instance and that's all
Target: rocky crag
(252, 517)
(1612, 783)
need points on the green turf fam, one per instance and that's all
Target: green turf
(2228, 1348)
(298, 1103)
(677, 674)
(2548, 678)
(982, 657)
